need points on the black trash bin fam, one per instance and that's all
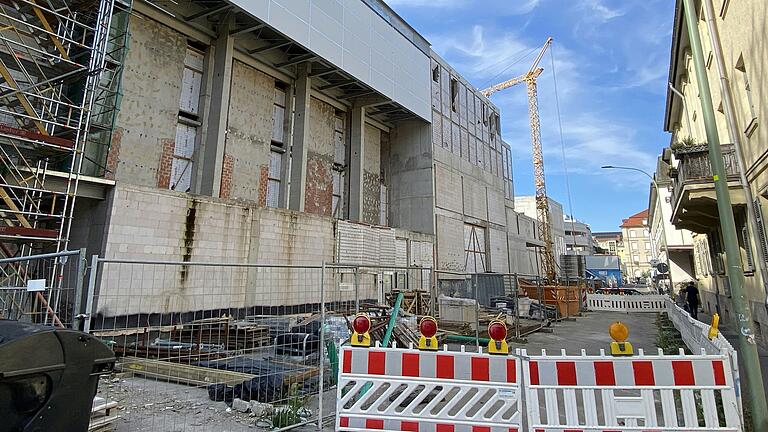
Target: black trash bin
(48, 377)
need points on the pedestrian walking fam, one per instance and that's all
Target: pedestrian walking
(692, 299)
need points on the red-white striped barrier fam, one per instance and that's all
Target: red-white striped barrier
(408, 390)
(599, 393)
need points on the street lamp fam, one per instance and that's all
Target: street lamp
(663, 222)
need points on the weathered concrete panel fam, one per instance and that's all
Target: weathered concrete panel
(450, 244)
(496, 207)
(411, 189)
(318, 198)
(153, 66)
(448, 189)
(475, 200)
(499, 258)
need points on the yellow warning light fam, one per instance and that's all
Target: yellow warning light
(497, 333)
(713, 331)
(428, 329)
(619, 333)
(361, 324)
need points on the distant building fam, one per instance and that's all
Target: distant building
(527, 206)
(578, 237)
(637, 246)
(608, 243)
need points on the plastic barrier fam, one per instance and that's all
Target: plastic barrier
(626, 303)
(639, 393)
(394, 389)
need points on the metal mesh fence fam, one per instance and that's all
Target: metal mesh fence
(235, 345)
(43, 289)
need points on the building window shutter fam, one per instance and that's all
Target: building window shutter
(747, 249)
(761, 239)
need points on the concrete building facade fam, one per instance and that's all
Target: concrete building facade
(578, 237)
(693, 198)
(266, 134)
(527, 206)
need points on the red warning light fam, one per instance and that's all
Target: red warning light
(428, 327)
(497, 330)
(361, 324)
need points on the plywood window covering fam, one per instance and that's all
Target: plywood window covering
(188, 124)
(278, 115)
(273, 181)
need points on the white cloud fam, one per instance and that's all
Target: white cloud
(602, 12)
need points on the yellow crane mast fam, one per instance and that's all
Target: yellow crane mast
(542, 204)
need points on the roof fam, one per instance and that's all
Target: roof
(677, 36)
(636, 220)
(609, 235)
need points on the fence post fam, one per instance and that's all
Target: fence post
(357, 290)
(322, 349)
(477, 311)
(82, 263)
(517, 308)
(91, 291)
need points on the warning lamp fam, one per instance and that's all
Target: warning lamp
(713, 331)
(428, 329)
(361, 324)
(619, 333)
(497, 332)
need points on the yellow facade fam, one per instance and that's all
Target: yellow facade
(742, 27)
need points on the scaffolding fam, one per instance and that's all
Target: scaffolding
(60, 69)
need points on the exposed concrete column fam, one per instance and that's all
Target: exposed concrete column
(300, 139)
(285, 158)
(357, 156)
(213, 149)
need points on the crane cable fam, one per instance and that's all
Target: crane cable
(562, 147)
(525, 55)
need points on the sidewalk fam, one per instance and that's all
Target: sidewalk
(731, 334)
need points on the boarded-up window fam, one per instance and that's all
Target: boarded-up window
(191, 81)
(278, 116)
(475, 249)
(338, 188)
(188, 122)
(273, 182)
(181, 166)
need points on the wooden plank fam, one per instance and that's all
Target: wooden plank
(181, 373)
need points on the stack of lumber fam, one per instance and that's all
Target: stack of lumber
(102, 416)
(223, 331)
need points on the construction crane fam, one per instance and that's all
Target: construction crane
(542, 204)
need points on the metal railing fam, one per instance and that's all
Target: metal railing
(694, 167)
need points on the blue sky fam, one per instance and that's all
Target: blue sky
(611, 59)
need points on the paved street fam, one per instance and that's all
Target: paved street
(590, 332)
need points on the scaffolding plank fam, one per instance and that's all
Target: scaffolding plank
(12, 205)
(28, 232)
(31, 135)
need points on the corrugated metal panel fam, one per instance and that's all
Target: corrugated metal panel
(401, 252)
(387, 251)
(370, 246)
(349, 239)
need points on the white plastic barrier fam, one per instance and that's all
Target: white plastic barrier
(626, 303)
(695, 334)
(395, 389)
(639, 393)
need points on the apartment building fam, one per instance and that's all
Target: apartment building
(276, 132)
(637, 246)
(693, 200)
(669, 243)
(608, 242)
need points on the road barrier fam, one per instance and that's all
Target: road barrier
(409, 390)
(395, 389)
(626, 303)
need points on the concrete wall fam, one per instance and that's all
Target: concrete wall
(319, 186)
(150, 105)
(527, 206)
(412, 186)
(372, 175)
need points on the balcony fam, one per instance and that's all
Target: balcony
(694, 202)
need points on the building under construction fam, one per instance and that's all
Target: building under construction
(225, 131)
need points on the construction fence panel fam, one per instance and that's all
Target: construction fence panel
(656, 392)
(395, 389)
(695, 334)
(626, 303)
(236, 345)
(194, 339)
(43, 289)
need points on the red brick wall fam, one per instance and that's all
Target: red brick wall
(113, 156)
(263, 182)
(319, 189)
(226, 176)
(166, 160)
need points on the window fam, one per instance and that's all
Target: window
(278, 115)
(751, 112)
(647, 246)
(632, 233)
(454, 95)
(273, 182)
(338, 182)
(436, 74)
(633, 246)
(474, 248)
(188, 122)
(636, 259)
(760, 239)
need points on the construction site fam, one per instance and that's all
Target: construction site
(216, 190)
